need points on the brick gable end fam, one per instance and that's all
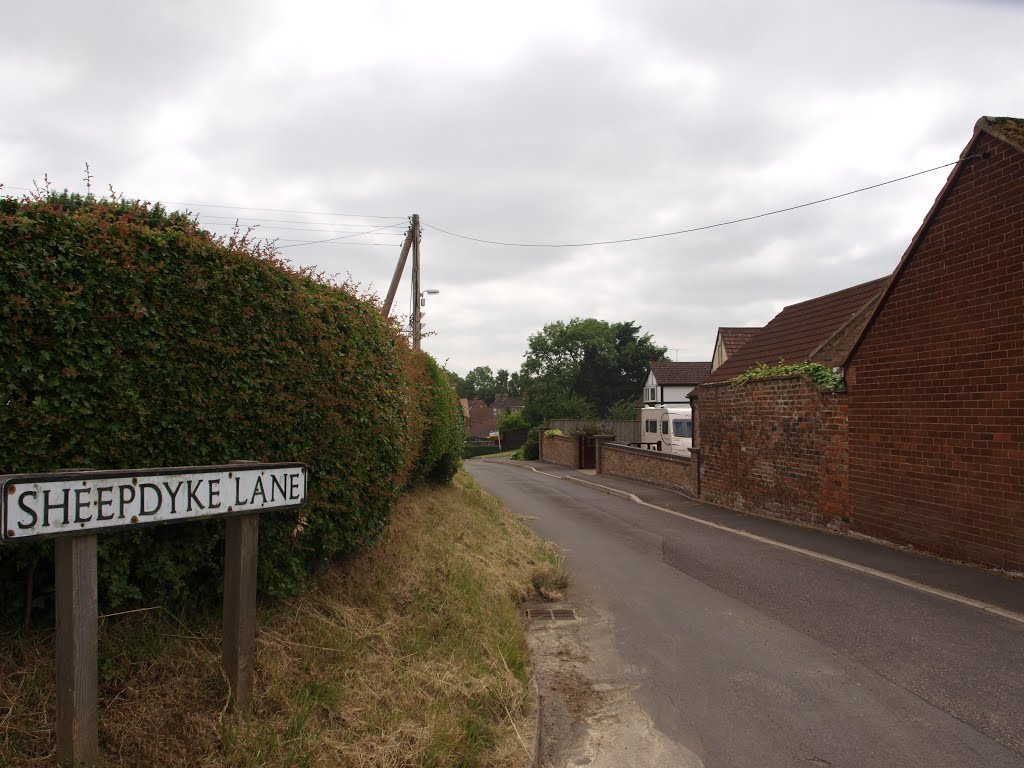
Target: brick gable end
(936, 398)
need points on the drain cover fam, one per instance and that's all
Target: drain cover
(556, 614)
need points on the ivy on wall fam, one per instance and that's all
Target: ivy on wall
(826, 378)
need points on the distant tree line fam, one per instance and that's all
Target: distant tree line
(482, 383)
(581, 369)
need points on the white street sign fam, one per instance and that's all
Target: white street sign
(66, 503)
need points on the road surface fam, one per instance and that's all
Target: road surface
(748, 654)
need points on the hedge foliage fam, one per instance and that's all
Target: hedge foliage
(132, 338)
(472, 451)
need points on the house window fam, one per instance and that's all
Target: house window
(652, 394)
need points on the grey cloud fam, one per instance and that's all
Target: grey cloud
(683, 115)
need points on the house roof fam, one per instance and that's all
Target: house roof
(819, 329)
(733, 339)
(465, 406)
(680, 374)
(507, 402)
(1007, 129)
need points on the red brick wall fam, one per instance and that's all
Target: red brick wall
(663, 469)
(775, 447)
(560, 449)
(937, 383)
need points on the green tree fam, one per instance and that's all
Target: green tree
(480, 383)
(623, 410)
(585, 365)
(515, 387)
(511, 421)
(456, 381)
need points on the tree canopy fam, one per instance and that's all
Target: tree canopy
(582, 368)
(483, 384)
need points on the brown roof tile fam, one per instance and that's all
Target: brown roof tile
(734, 338)
(799, 331)
(680, 374)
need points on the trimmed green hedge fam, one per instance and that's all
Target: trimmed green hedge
(132, 338)
(470, 451)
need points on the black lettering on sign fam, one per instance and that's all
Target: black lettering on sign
(101, 502)
(258, 490)
(238, 493)
(213, 495)
(48, 507)
(80, 505)
(278, 485)
(173, 493)
(192, 495)
(142, 498)
(125, 499)
(293, 486)
(27, 509)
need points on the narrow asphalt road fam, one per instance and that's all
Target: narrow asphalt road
(751, 655)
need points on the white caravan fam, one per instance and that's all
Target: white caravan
(667, 428)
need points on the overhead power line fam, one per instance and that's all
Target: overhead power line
(700, 228)
(340, 237)
(335, 225)
(310, 242)
(283, 210)
(249, 208)
(267, 227)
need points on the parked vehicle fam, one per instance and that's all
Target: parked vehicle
(668, 429)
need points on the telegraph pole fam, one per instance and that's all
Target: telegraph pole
(417, 322)
(400, 268)
(412, 242)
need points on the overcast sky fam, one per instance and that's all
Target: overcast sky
(555, 122)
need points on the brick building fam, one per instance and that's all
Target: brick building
(779, 446)
(936, 381)
(481, 422)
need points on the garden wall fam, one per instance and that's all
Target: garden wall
(776, 447)
(560, 449)
(662, 469)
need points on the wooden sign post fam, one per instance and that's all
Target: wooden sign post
(241, 539)
(77, 623)
(73, 506)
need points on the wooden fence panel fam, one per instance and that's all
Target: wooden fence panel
(624, 431)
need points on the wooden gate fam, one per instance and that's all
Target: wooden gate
(588, 451)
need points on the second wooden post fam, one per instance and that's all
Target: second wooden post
(241, 541)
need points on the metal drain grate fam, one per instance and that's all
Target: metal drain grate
(556, 614)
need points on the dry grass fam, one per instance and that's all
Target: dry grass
(412, 653)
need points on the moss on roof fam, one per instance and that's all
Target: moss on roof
(1009, 129)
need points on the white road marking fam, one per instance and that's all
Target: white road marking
(969, 601)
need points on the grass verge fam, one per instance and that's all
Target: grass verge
(410, 653)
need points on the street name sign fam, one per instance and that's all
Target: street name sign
(73, 506)
(77, 503)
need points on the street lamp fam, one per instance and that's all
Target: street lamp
(424, 294)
